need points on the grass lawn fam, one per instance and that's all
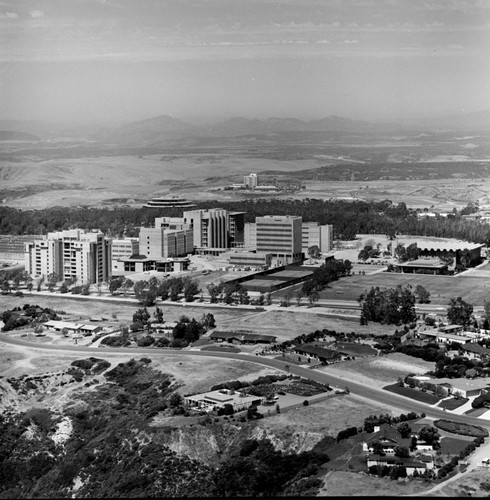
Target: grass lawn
(452, 446)
(424, 397)
(453, 403)
(221, 348)
(355, 349)
(441, 288)
(476, 412)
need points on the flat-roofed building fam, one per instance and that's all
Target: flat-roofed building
(236, 229)
(72, 254)
(124, 247)
(210, 227)
(250, 236)
(251, 181)
(213, 400)
(245, 258)
(158, 243)
(312, 234)
(280, 235)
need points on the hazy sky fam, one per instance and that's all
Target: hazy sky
(124, 60)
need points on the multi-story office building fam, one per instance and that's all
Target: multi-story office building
(176, 223)
(157, 242)
(250, 236)
(251, 181)
(315, 235)
(236, 227)
(210, 227)
(280, 236)
(124, 247)
(84, 256)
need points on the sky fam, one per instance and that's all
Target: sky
(117, 61)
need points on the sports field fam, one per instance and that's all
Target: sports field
(472, 289)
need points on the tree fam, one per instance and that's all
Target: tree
(191, 289)
(208, 321)
(401, 253)
(146, 292)
(378, 448)
(314, 252)
(422, 294)
(313, 297)
(214, 291)
(402, 452)
(175, 400)
(141, 317)
(158, 315)
(299, 296)
(404, 429)
(412, 252)
(429, 434)
(459, 312)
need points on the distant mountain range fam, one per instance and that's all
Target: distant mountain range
(167, 128)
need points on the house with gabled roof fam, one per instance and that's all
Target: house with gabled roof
(389, 438)
(242, 337)
(319, 353)
(410, 464)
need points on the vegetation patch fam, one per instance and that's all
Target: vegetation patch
(476, 412)
(453, 403)
(424, 397)
(461, 428)
(452, 446)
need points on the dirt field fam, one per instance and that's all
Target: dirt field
(379, 370)
(284, 324)
(327, 417)
(355, 484)
(468, 485)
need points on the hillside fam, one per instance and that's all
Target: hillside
(99, 441)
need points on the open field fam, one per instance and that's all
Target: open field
(33, 176)
(476, 484)
(473, 289)
(379, 371)
(326, 417)
(341, 483)
(284, 324)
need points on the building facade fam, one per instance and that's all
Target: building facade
(83, 256)
(158, 243)
(210, 227)
(280, 235)
(251, 181)
(312, 234)
(124, 247)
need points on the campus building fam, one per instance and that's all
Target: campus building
(210, 227)
(72, 254)
(124, 247)
(158, 243)
(312, 234)
(251, 181)
(279, 235)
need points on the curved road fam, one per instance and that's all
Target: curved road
(371, 393)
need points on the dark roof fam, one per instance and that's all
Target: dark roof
(321, 352)
(242, 336)
(475, 348)
(388, 432)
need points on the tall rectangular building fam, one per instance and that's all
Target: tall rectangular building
(159, 243)
(251, 181)
(84, 256)
(315, 235)
(280, 236)
(210, 227)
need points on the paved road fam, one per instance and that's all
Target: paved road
(366, 392)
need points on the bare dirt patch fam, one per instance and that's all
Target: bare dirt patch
(354, 484)
(327, 417)
(467, 485)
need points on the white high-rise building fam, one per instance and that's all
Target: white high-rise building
(315, 235)
(84, 256)
(251, 181)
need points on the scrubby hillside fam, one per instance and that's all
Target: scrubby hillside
(100, 440)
